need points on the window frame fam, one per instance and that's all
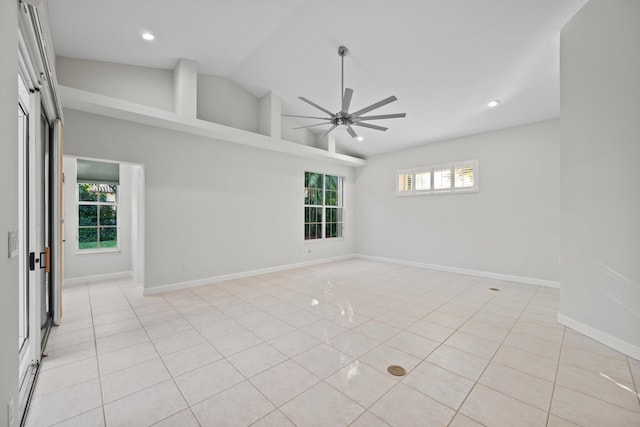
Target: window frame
(324, 206)
(98, 204)
(409, 175)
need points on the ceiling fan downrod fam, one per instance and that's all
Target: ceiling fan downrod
(342, 51)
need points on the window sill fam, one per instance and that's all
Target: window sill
(98, 251)
(437, 192)
(325, 240)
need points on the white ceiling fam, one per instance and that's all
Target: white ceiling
(443, 59)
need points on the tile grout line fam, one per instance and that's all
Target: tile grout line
(289, 359)
(555, 378)
(173, 380)
(477, 381)
(276, 407)
(135, 364)
(95, 344)
(633, 379)
(246, 296)
(438, 346)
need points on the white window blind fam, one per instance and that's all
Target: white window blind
(464, 176)
(458, 177)
(404, 182)
(442, 179)
(423, 181)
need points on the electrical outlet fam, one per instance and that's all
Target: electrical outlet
(523, 261)
(10, 412)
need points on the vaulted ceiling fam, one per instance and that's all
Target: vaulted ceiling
(443, 59)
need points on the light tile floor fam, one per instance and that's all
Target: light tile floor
(310, 347)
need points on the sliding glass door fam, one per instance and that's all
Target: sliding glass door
(34, 284)
(24, 295)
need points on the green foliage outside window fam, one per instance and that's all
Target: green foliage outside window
(97, 216)
(323, 206)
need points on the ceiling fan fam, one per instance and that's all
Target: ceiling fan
(344, 117)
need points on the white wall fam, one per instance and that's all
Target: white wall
(600, 122)
(513, 216)
(137, 222)
(78, 265)
(301, 136)
(9, 208)
(222, 101)
(142, 85)
(220, 207)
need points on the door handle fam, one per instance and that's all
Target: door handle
(32, 261)
(43, 262)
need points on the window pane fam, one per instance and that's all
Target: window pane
(88, 238)
(464, 177)
(312, 231)
(108, 193)
(314, 180)
(442, 179)
(331, 182)
(87, 215)
(108, 215)
(108, 237)
(330, 215)
(330, 230)
(404, 182)
(331, 197)
(423, 181)
(86, 193)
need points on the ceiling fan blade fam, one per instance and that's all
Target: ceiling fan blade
(310, 126)
(352, 132)
(332, 128)
(315, 105)
(367, 125)
(346, 100)
(383, 116)
(306, 117)
(374, 106)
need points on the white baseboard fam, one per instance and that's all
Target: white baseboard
(224, 277)
(72, 281)
(624, 347)
(468, 272)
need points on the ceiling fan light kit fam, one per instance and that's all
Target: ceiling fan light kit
(344, 117)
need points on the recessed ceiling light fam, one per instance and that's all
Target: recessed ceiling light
(148, 36)
(493, 103)
(360, 138)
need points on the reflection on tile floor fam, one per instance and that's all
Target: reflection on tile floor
(310, 347)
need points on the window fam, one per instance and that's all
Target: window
(97, 216)
(456, 177)
(423, 181)
(323, 206)
(404, 182)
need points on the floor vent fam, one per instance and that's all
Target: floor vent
(396, 370)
